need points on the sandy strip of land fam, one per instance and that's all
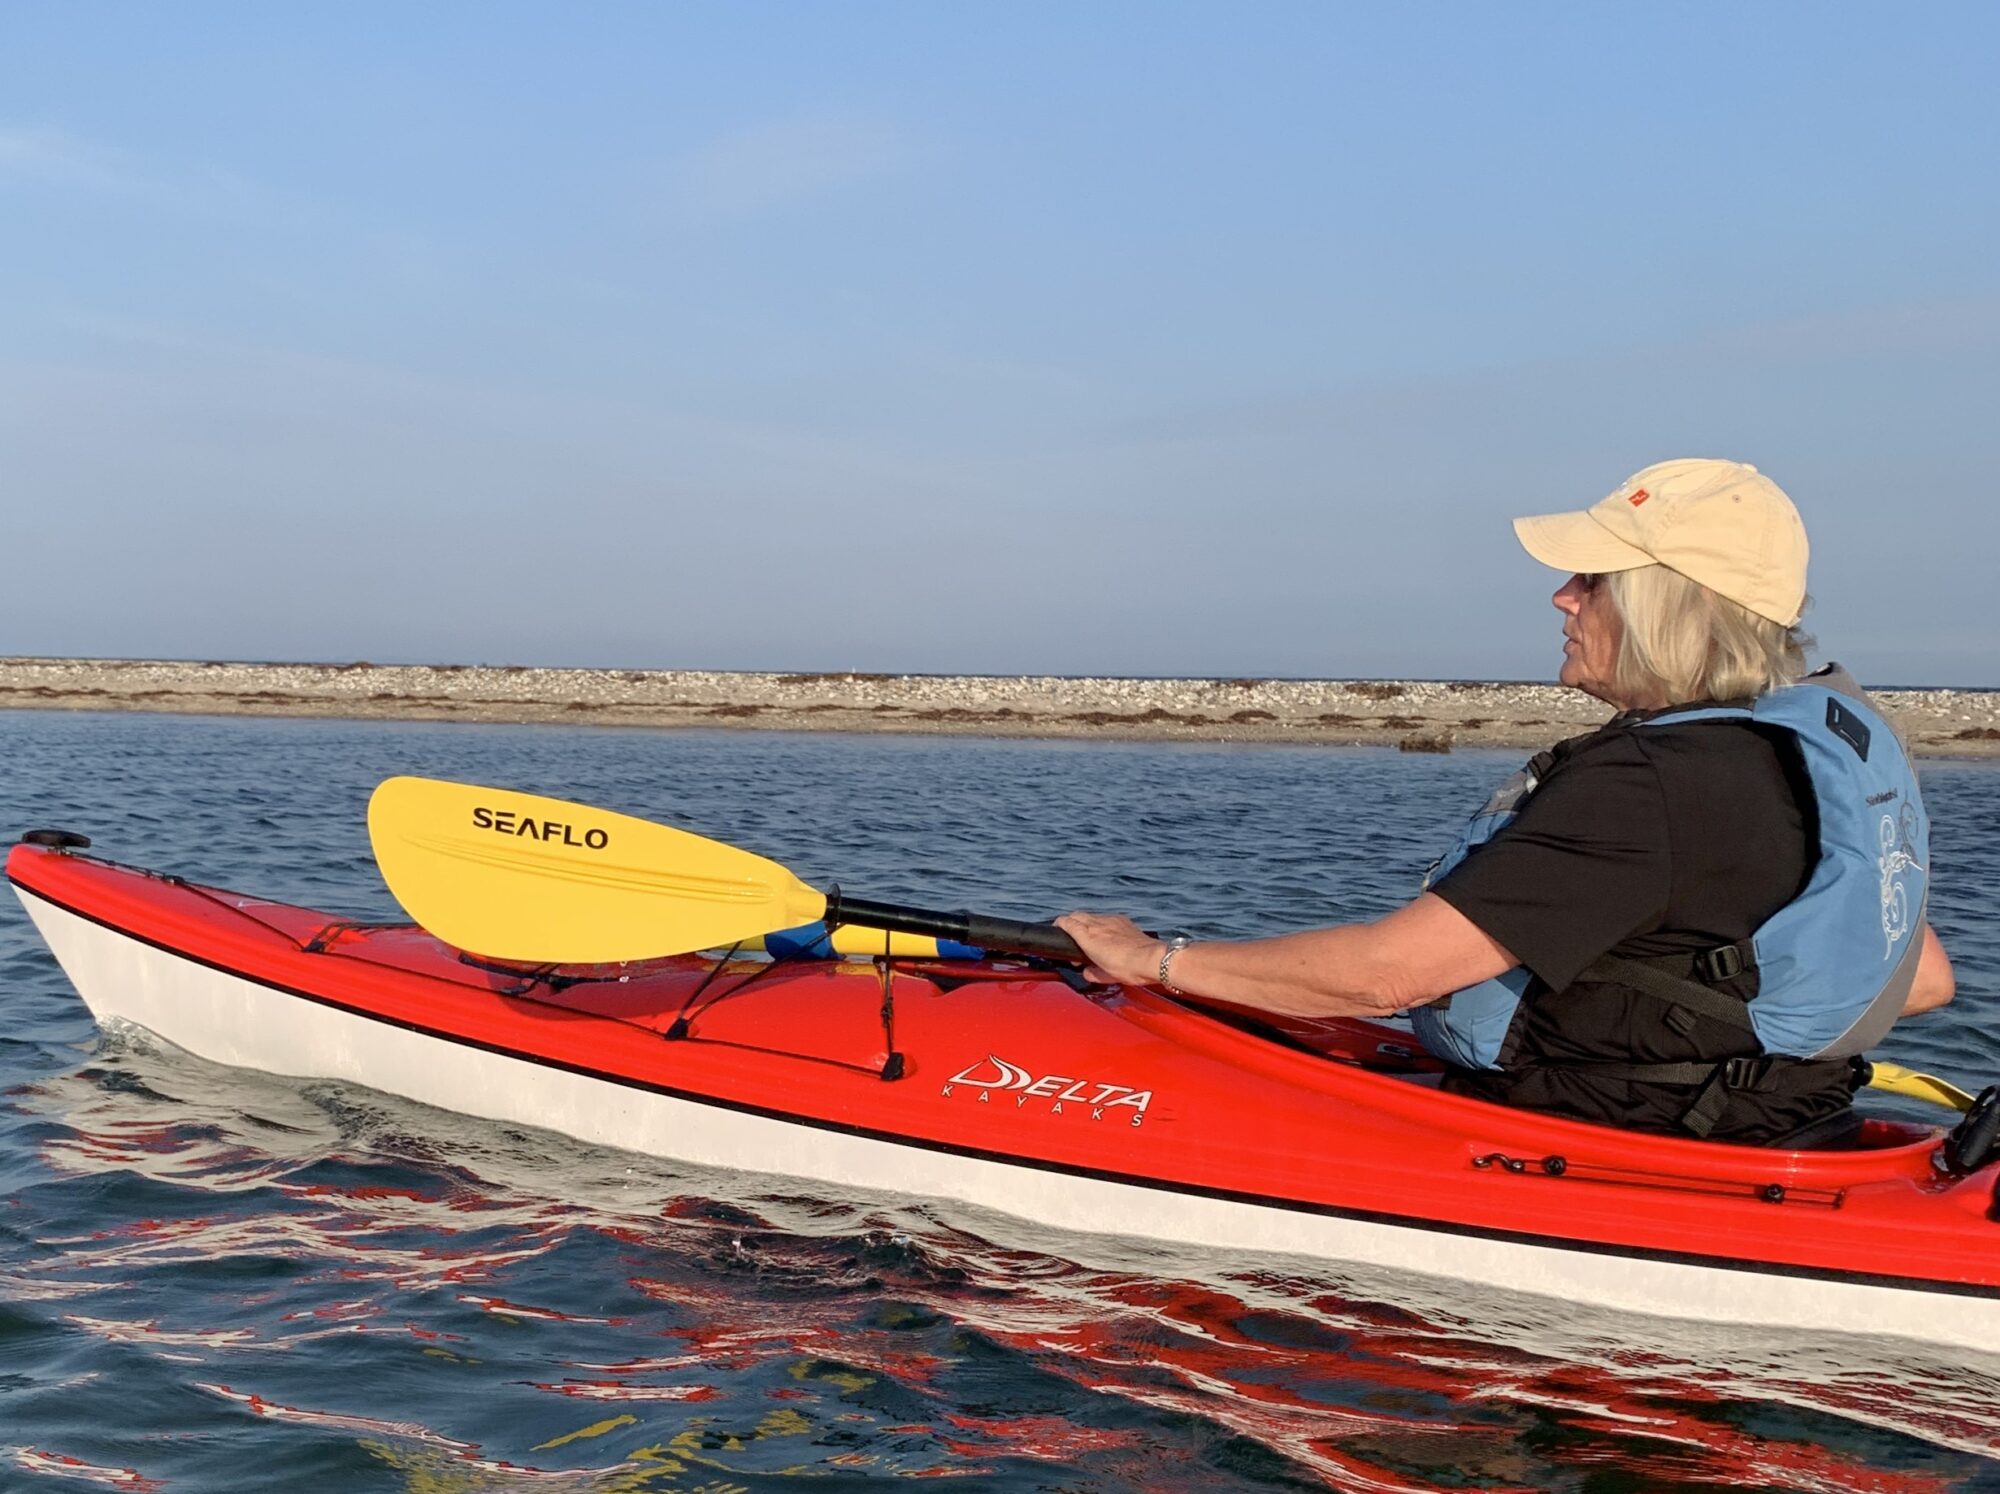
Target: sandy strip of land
(1417, 715)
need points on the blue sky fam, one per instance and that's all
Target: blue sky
(1149, 338)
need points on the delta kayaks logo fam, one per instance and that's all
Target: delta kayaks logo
(549, 832)
(995, 1080)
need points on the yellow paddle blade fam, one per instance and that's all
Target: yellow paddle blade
(521, 877)
(1899, 1080)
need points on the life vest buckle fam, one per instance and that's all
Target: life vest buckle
(1713, 966)
(1746, 1073)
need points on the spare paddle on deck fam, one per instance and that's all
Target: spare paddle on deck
(1898, 1080)
(521, 877)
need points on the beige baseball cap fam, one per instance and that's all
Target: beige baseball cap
(1723, 524)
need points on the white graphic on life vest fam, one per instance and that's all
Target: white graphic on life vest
(997, 1080)
(1898, 857)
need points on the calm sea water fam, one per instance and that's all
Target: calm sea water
(216, 1280)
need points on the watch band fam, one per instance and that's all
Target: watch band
(1174, 946)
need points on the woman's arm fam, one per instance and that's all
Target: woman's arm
(1416, 954)
(1932, 988)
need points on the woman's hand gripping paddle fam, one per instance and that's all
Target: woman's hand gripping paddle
(521, 877)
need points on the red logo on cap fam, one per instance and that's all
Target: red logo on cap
(1638, 498)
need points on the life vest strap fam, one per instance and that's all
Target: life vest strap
(1770, 1072)
(1668, 980)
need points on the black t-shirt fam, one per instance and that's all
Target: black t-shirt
(1641, 841)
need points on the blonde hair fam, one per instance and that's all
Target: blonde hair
(1683, 642)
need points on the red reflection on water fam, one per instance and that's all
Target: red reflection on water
(504, 1308)
(277, 1411)
(1358, 1394)
(1704, 1447)
(804, 1328)
(1225, 1360)
(114, 1331)
(1056, 1438)
(365, 1242)
(37, 1460)
(357, 1193)
(620, 1390)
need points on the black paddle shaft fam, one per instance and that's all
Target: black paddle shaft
(1003, 935)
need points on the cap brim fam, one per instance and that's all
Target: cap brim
(1577, 542)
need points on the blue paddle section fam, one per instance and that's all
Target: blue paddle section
(813, 941)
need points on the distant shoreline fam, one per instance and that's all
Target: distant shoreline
(1417, 715)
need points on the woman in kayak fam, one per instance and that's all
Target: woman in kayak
(1693, 919)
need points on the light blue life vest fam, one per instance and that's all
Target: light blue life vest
(1835, 964)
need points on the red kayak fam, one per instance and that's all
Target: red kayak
(1111, 1111)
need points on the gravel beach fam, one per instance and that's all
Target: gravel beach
(1417, 715)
